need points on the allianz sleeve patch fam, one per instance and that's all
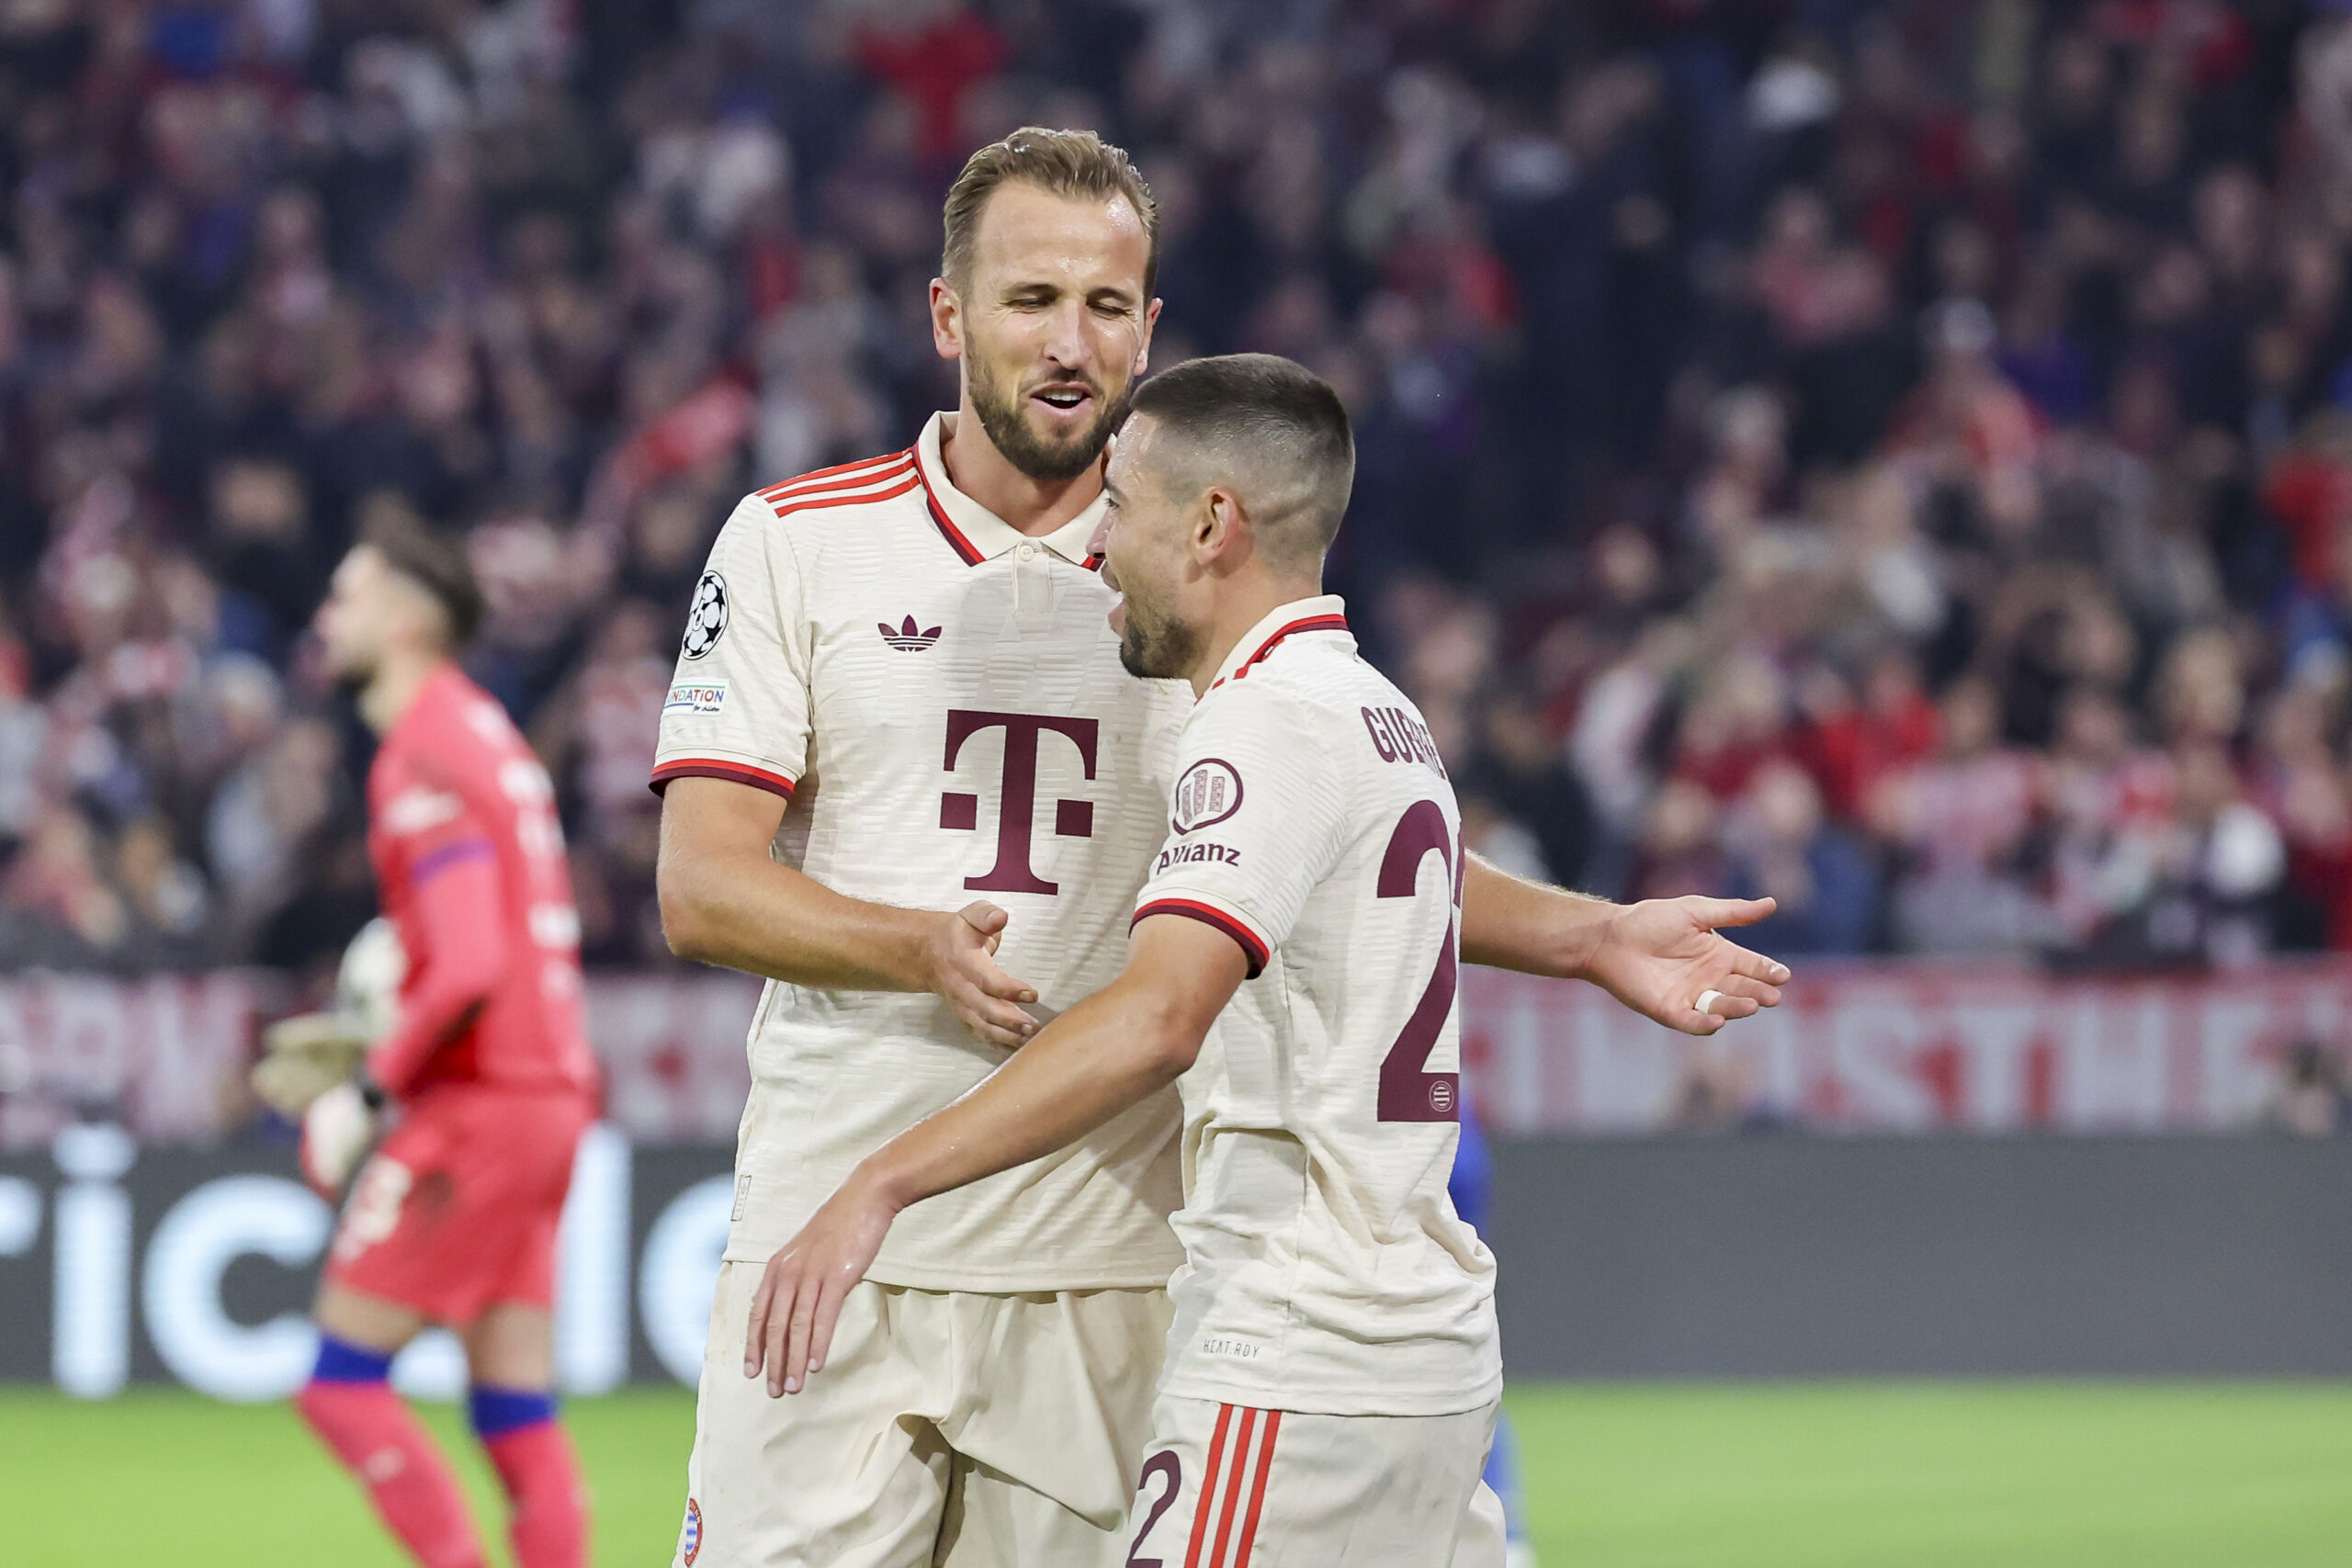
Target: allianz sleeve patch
(1209, 791)
(695, 696)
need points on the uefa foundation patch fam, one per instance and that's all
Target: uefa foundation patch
(697, 696)
(690, 1538)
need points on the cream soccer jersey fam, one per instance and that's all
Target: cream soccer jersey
(942, 701)
(1325, 1270)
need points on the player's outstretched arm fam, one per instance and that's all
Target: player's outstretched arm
(1664, 958)
(725, 901)
(1129, 1040)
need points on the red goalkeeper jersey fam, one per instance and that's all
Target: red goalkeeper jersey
(470, 866)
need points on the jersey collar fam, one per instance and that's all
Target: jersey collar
(974, 532)
(1324, 612)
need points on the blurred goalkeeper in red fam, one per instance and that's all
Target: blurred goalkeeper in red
(480, 1082)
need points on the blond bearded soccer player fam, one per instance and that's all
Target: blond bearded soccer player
(902, 765)
(1333, 1371)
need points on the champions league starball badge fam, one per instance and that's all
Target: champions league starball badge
(708, 620)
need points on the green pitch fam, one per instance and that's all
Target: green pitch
(1860, 1475)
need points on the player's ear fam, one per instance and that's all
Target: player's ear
(946, 320)
(1220, 528)
(1143, 348)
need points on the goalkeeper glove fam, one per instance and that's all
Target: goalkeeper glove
(303, 1058)
(337, 1127)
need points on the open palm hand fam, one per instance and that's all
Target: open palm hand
(1668, 960)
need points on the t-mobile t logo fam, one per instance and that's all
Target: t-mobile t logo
(1017, 812)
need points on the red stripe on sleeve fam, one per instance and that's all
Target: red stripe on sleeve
(1253, 949)
(706, 768)
(1205, 1504)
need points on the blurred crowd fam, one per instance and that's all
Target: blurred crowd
(1893, 458)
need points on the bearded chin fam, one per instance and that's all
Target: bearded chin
(1157, 654)
(1041, 460)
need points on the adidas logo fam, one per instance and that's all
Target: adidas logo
(905, 638)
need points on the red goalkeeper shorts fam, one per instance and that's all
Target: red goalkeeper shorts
(456, 1210)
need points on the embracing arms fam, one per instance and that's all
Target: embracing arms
(725, 901)
(1117, 1048)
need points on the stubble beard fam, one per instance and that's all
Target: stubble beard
(1161, 652)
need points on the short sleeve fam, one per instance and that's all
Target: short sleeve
(738, 704)
(1256, 821)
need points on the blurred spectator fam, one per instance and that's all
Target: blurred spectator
(2311, 1099)
(1852, 743)
(1959, 821)
(1820, 874)
(1681, 850)
(1523, 771)
(2224, 862)
(2110, 806)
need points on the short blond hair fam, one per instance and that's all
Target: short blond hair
(1078, 165)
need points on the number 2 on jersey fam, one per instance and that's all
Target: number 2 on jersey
(1407, 1092)
(1166, 1465)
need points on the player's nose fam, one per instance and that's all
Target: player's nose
(1066, 345)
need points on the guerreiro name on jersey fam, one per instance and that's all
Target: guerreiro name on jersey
(1312, 822)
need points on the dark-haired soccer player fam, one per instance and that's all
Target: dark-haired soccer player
(485, 1077)
(1332, 1369)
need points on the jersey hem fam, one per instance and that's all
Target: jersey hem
(1258, 1396)
(993, 1282)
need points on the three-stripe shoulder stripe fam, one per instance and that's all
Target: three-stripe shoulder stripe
(884, 480)
(1246, 1464)
(838, 473)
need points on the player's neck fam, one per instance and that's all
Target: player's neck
(1240, 609)
(1035, 507)
(397, 680)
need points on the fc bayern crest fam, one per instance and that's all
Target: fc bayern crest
(706, 622)
(1209, 791)
(690, 1539)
